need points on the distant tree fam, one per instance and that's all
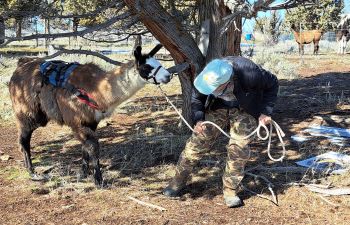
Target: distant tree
(325, 15)
(3, 6)
(79, 7)
(2, 30)
(271, 26)
(18, 10)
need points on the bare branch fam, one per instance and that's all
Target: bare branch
(248, 11)
(290, 4)
(259, 195)
(334, 191)
(146, 204)
(179, 68)
(86, 52)
(118, 40)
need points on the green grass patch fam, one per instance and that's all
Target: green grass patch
(14, 173)
(6, 113)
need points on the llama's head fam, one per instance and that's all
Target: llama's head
(149, 68)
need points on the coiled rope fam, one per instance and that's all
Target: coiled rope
(268, 135)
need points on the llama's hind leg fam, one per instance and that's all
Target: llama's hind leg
(26, 126)
(25, 134)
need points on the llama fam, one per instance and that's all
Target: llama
(343, 33)
(35, 102)
(306, 37)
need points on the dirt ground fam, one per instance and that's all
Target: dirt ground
(139, 148)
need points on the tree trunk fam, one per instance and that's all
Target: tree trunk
(19, 27)
(47, 31)
(2, 30)
(75, 26)
(175, 39)
(181, 45)
(227, 44)
(138, 42)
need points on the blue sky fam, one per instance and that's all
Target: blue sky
(249, 24)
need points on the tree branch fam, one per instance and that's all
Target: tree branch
(86, 52)
(249, 12)
(115, 41)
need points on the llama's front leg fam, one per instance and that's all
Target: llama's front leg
(85, 163)
(301, 49)
(91, 151)
(316, 48)
(91, 146)
(343, 44)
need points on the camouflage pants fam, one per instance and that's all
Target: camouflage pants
(238, 152)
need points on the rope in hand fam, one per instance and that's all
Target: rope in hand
(268, 135)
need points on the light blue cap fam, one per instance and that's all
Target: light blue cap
(216, 73)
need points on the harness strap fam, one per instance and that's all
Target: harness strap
(57, 72)
(87, 99)
(154, 75)
(83, 96)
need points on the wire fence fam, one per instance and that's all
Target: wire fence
(286, 43)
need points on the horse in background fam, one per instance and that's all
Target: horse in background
(343, 33)
(306, 37)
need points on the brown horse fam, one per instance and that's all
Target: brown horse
(35, 102)
(306, 37)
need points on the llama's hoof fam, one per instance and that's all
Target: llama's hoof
(36, 177)
(82, 175)
(99, 184)
(98, 178)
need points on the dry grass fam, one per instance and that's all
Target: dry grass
(139, 147)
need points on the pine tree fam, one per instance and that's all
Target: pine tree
(325, 15)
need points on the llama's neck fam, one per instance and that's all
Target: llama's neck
(120, 85)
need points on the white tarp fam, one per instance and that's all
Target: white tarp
(330, 162)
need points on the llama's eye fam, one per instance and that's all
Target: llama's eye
(145, 70)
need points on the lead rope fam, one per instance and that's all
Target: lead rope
(268, 135)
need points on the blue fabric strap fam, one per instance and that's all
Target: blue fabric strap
(57, 72)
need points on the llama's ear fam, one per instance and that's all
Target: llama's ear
(155, 50)
(137, 52)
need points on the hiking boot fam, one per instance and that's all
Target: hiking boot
(176, 185)
(231, 198)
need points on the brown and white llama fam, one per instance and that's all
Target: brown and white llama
(343, 33)
(306, 37)
(35, 102)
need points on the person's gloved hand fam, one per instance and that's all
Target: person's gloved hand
(264, 119)
(200, 128)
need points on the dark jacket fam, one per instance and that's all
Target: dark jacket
(254, 88)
